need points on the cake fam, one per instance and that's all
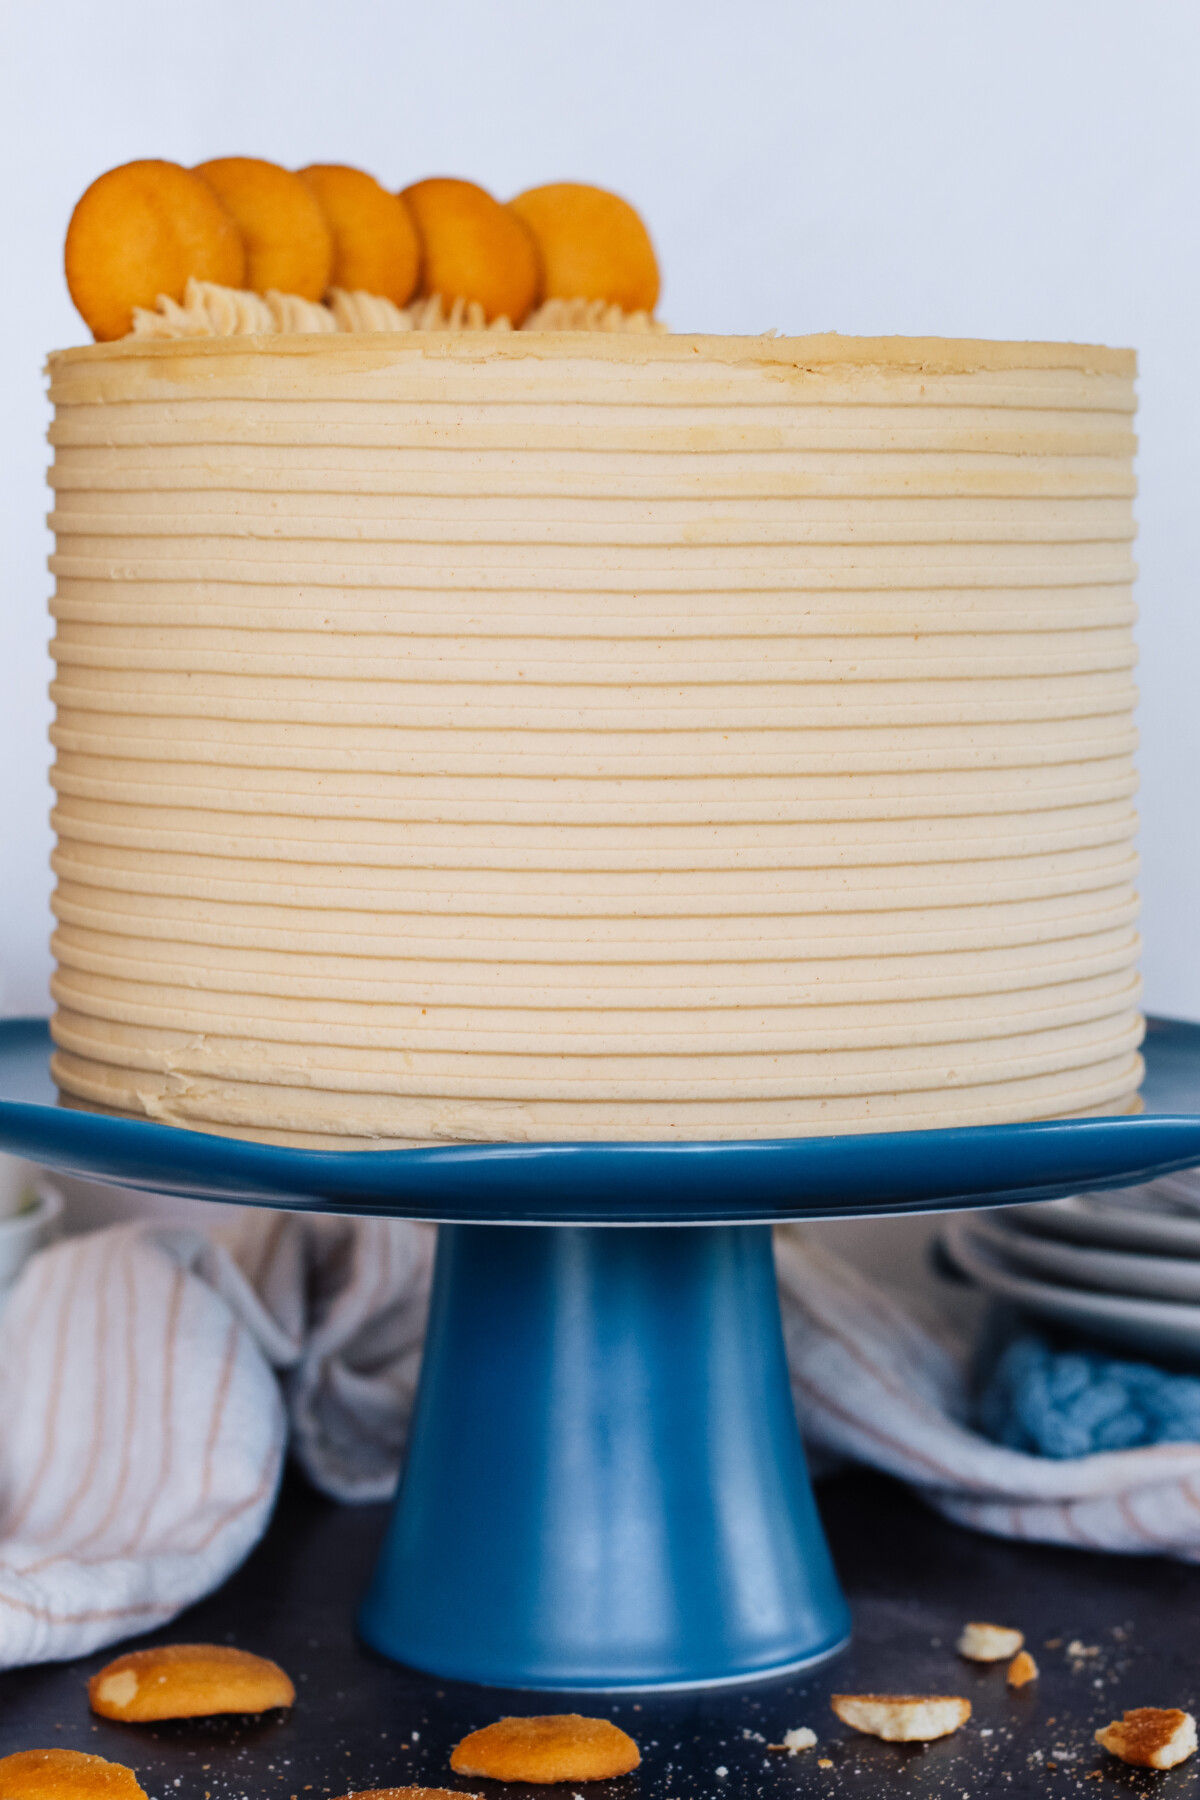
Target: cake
(514, 736)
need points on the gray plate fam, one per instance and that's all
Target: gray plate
(1113, 1271)
(1151, 1327)
(1122, 1226)
(1181, 1190)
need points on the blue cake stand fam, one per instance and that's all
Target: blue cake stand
(605, 1486)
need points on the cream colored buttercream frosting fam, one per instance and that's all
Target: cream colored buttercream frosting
(492, 737)
(209, 310)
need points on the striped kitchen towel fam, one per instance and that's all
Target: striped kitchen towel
(147, 1376)
(150, 1380)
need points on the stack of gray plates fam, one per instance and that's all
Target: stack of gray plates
(1121, 1267)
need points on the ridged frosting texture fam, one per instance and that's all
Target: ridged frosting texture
(499, 738)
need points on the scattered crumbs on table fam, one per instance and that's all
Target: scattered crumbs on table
(722, 1771)
(1053, 1643)
(824, 1762)
(1080, 1650)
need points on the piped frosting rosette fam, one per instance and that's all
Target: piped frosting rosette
(492, 738)
(209, 310)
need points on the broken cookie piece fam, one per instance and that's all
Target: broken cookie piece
(989, 1643)
(1151, 1737)
(1021, 1670)
(902, 1718)
(66, 1775)
(549, 1747)
(187, 1681)
(409, 1793)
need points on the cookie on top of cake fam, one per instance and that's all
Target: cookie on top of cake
(241, 246)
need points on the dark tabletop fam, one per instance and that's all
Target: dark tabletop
(913, 1580)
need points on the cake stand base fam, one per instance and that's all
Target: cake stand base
(605, 1485)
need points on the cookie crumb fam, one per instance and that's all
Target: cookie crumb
(799, 1738)
(1021, 1670)
(989, 1643)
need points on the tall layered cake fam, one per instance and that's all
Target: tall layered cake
(518, 735)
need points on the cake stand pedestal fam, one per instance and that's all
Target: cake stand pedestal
(605, 1486)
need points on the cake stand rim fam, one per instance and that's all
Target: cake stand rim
(754, 1181)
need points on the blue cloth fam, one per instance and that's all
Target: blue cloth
(1056, 1402)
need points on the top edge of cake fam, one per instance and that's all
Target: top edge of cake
(935, 356)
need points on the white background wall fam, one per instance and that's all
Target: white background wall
(1025, 169)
